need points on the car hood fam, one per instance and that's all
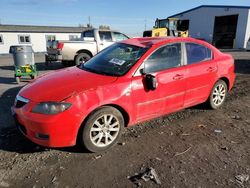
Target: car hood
(59, 85)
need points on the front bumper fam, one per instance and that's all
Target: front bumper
(48, 130)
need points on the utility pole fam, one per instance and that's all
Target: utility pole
(89, 21)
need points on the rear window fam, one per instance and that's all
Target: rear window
(197, 53)
(52, 44)
(88, 34)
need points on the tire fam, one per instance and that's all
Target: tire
(218, 95)
(33, 77)
(81, 58)
(94, 136)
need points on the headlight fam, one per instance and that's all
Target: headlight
(51, 107)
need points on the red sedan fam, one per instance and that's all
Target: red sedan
(129, 82)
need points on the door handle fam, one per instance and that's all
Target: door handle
(178, 77)
(211, 69)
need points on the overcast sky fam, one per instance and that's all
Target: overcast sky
(128, 16)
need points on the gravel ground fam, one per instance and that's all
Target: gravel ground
(195, 147)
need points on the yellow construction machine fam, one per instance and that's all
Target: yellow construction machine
(168, 27)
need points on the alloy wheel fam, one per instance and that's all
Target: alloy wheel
(219, 94)
(104, 130)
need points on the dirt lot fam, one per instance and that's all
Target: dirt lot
(192, 148)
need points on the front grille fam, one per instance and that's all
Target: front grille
(20, 104)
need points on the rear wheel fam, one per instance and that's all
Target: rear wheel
(102, 129)
(82, 58)
(218, 95)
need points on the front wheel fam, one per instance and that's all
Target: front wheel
(102, 129)
(218, 95)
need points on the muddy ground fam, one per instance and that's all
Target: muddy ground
(192, 148)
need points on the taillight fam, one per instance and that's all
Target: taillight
(60, 45)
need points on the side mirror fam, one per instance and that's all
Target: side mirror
(151, 83)
(142, 71)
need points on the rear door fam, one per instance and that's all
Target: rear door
(166, 65)
(201, 73)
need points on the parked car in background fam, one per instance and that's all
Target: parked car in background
(80, 50)
(129, 82)
(248, 45)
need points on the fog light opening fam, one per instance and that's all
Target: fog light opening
(42, 136)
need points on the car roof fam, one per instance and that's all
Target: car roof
(150, 41)
(92, 29)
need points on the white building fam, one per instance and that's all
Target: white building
(223, 26)
(37, 36)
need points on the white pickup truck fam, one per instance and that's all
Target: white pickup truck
(80, 50)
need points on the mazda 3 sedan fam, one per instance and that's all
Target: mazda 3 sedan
(129, 82)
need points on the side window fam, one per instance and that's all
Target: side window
(1, 39)
(105, 36)
(197, 53)
(88, 34)
(164, 58)
(23, 39)
(119, 36)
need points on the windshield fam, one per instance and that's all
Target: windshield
(161, 23)
(115, 60)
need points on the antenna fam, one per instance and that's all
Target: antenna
(89, 21)
(145, 24)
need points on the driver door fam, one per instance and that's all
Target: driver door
(165, 64)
